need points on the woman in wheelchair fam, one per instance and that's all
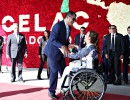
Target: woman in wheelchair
(79, 79)
(86, 54)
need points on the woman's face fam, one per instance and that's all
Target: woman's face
(45, 34)
(87, 38)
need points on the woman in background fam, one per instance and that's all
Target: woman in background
(42, 56)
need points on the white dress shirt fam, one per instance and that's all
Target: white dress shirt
(129, 39)
(114, 38)
(129, 36)
(17, 36)
(67, 30)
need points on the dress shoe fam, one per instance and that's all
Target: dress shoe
(117, 83)
(39, 78)
(1, 72)
(53, 96)
(110, 82)
(21, 80)
(12, 80)
(125, 82)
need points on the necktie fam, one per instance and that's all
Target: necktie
(112, 44)
(80, 41)
(67, 32)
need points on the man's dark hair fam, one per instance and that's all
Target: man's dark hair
(70, 13)
(82, 27)
(112, 26)
(128, 27)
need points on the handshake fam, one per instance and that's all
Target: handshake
(65, 51)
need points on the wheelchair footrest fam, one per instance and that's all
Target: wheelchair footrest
(65, 86)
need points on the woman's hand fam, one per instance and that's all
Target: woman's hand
(73, 46)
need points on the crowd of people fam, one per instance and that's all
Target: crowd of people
(54, 47)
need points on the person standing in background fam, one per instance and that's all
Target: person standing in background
(1, 50)
(16, 50)
(126, 56)
(42, 56)
(79, 41)
(114, 51)
(105, 61)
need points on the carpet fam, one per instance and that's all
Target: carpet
(26, 92)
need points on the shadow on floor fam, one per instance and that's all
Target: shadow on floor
(25, 91)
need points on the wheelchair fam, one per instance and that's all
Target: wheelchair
(85, 84)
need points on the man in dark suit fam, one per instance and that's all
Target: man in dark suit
(79, 41)
(126, 56)
(16, 49)
(57, 49)
(114, 51)
(1, 48)
(105, 61)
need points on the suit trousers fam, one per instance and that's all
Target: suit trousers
(125, 68)
(43, 59)
(19, 61)
(105, 61)
(114, 66)
(55, 67)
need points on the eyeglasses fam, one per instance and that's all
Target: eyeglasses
(112, 28)
(73, 18)
(82, 30)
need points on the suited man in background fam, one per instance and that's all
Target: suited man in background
(79, 41)
(16, 50)
(114, 51)
(105, 61)
(57, 49)
(1, 50)
(126, 56)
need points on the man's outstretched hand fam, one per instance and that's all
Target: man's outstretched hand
(73, 46)
(64, 51)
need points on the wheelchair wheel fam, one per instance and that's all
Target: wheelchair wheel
(87, 85)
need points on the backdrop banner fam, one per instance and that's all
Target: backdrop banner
(35, 16)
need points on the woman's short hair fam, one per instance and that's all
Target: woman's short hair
(94, 36)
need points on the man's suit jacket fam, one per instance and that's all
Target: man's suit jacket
(56, 40)
(13, 47)
(127, 45)
(77, 42)
(1, 44)
(103, 46)
(119, 44)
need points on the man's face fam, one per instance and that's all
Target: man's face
(71, 19)
(82, 30)
(16, 28)
(128, 30)
(112, 30)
